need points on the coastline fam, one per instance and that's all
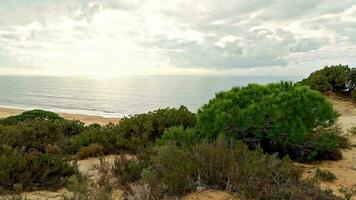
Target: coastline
(87, 119)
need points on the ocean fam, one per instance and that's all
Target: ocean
(118, 97)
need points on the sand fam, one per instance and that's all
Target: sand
(87, 119)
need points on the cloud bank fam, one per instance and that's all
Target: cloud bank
(117, 37)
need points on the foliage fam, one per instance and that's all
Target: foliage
(178, 135)
(35, 134)
(33, 169)
(93, 150)
(353, 94)
(227, 166)
(336, 77)
(324, 175)
(127, 170)
(102, 135)
(142, 129)
(31, 115)
(280, 117)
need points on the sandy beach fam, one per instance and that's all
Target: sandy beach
(87, 119)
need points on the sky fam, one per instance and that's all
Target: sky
(108, 38)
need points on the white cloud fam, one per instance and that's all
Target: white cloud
(118, 37)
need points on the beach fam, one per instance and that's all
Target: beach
(87, 119)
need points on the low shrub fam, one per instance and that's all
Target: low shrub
(105, 136)
(93, 150)
(336, 77)
(33, 134)
(278, 117)
(127, 170)
(324, 175)
(33, 169)
(179, 136)
(227, 166)
(143, 129)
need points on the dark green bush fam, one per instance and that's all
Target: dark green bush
(127, 170)
(33, 134)
(324, 175)
(31, 115)
(142, 129)
(179, 136)
(227, 166)
(106, 136)
(33, 169)
(279, 117)
(335, 77)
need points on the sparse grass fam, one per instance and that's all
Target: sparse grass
(348, 192)
(352, 131)
(82, 188)
(324, 175)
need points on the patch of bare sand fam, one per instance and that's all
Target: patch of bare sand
(345, 169)
(210, 195)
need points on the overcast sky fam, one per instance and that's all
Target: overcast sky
(107, 38)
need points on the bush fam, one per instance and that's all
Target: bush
(31, 115)
(227, 166)
(93, 150)
(337, 78)
(143, 129)
(179, 136)
(127, 170)
(33, 169)
(279, 117)
(34, 134)
(105, 136)
(353, 94)
(324, 175)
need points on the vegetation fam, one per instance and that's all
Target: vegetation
(279, 117)
(324, 175)
(227, 166)
(176, 151)
(93, 150)
(127, 170)
(339, 78)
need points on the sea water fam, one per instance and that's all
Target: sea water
(118, 97)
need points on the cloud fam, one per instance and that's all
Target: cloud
(147, 37)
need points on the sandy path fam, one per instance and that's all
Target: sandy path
(345, 169)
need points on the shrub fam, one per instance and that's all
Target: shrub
(33, 169)
(227, 166)
(179, 136)
(93, 150)
(324, 175)
(280, 117)
(31, 115)
(337, 77)
(103, 135)
(127, 170)
(34, 134)
(142, 129)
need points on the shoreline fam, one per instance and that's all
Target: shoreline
(86, 119)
